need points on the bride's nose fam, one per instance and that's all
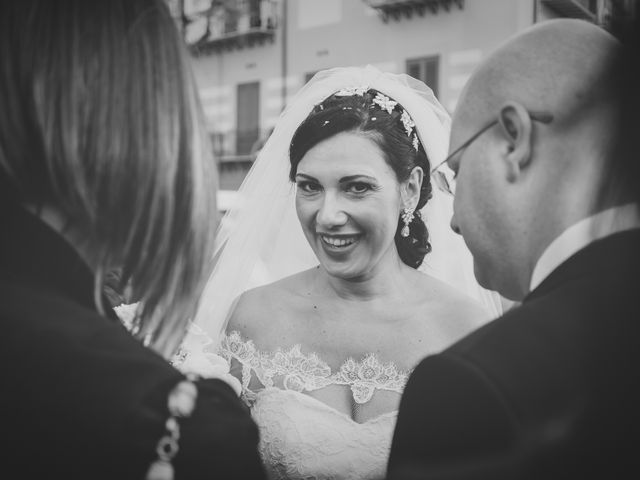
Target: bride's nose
(331, 213)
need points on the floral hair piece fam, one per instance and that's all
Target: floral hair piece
(407, 122)
(349, 91)
(385, 103)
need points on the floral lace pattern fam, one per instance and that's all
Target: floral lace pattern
(307, 372)
(301, 438)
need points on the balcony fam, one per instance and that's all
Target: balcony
(397, 9)
(215, 25)
(583, 10)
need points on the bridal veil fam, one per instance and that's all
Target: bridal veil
(260, 240)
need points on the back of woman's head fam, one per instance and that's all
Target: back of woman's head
(100, 119)
(386, 123)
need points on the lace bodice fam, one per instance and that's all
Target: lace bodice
(307, 372)
(302, 437)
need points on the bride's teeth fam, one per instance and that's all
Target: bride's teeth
(338, 242)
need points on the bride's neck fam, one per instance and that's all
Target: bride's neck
(382, 281)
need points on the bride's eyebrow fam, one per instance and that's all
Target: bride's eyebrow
(351, 178)
(306, 177)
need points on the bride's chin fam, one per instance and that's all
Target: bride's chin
(345, 271)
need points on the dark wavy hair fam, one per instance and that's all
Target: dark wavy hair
(358, 113)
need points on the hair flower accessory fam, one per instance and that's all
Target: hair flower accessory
(407, 122)
(349, 91)
(385, 103)
(415, 142)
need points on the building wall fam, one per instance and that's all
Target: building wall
(322, 34)
(329, 33)
(218, 75)
(356, 36)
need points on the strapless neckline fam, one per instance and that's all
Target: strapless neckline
(303, 438)
(293, 369)
(320, 405)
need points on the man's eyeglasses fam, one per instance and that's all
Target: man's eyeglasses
(444, 177)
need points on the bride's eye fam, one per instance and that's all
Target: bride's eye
(308, 187)
(359, 187)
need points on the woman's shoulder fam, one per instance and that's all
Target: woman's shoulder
(264, 312)
(436, 291)
(440, 300)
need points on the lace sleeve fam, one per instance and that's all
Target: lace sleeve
(197, 356)
(234, 349)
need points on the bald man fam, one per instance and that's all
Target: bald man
(550, 389)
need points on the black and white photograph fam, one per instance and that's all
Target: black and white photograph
(320, 239)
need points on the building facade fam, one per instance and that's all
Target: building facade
(251, 56)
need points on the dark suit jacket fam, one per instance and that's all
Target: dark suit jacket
(80, 397)
(549, 390)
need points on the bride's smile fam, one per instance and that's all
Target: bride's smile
(348, 201)
(338, 242)
(323, 351)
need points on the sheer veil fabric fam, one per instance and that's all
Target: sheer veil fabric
(260, 239)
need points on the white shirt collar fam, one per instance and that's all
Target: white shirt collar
(581, 234)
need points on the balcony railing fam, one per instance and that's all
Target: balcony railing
(237, 145)
(217, 24)
(583, 10)
(396, 9)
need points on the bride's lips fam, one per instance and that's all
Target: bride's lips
(338, 243)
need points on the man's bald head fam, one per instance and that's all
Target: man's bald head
(557, 66)
(538, 168)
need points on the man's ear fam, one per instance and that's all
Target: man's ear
(516, 128)
(411, 188)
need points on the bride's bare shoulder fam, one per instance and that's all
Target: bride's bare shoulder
(266, 310)
(448, 303)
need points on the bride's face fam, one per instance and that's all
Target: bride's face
(348, 201)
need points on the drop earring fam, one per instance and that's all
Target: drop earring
(407, 218)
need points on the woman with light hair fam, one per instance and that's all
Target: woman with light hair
(105, 166)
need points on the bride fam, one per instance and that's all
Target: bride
(322, 333)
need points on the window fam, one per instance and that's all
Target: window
(425, 69)
(248, 116)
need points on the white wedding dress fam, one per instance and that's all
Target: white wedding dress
(260, 241)
(302, 437)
